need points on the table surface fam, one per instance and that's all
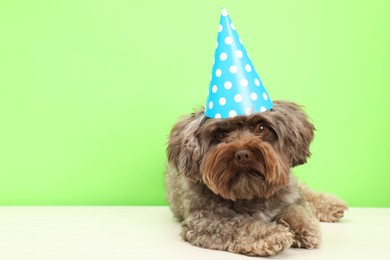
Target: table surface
(152, 233)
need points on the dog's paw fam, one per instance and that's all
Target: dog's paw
(309, 239)
(276, 239)
(275, 243)
(331, 209)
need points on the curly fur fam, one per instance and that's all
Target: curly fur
(251, 205)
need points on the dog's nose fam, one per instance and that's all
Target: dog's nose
(242, 156)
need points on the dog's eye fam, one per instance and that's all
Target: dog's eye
(221, 135)
(261, 129)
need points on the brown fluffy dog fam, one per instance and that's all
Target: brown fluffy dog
(229, 182)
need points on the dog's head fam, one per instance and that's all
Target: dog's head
(243, 157)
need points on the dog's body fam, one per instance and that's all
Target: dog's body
(229, 182)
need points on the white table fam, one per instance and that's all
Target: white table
(152, 233)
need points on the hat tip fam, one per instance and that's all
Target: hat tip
(224, 11)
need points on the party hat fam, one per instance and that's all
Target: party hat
(235, 87)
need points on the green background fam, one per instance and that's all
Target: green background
(90, 89)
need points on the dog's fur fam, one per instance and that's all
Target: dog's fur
(229, 182)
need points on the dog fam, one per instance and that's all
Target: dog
(229, 182)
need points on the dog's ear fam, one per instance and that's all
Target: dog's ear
(299, 131)
(184, 151)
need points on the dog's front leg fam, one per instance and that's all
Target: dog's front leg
(238, 234)
(326, 207)
(301, 220)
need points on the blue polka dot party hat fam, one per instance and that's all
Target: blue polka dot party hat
(235, 87)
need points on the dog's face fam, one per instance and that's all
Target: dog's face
(244, 157)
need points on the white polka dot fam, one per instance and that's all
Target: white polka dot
(232, 26)
(257, 82)
(223, 56)
(218, 72)
(244, 82)
(224, 12)
(211, 104)
(228, 85)
(248, 68)
(239, 54)
(228, 40)
(232, 113)
(253, 96)
(265, 96)
(238, 98)
(220, 28)
(262, 109)
(248, 110)
(214, 89)
(233, 69)
(222, 101)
